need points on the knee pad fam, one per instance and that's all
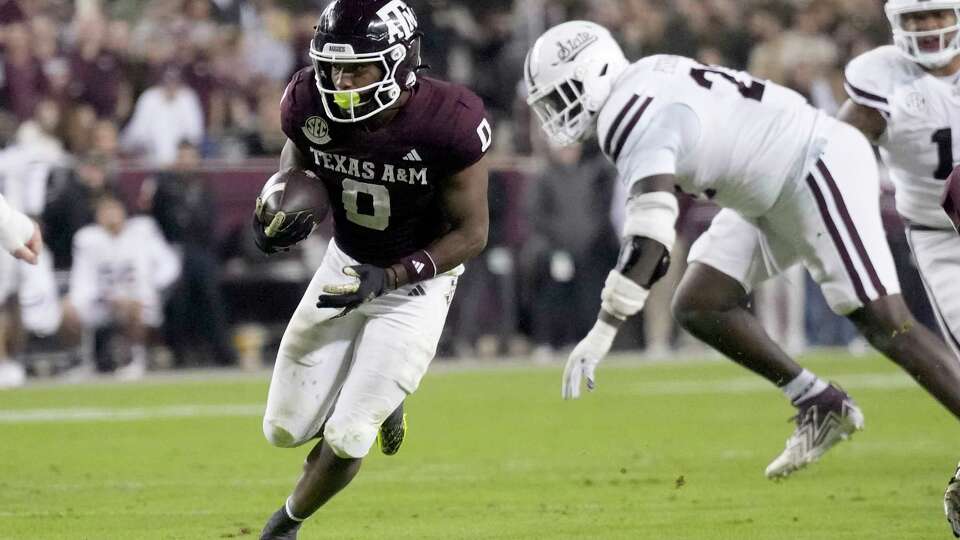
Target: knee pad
(279, 436)
(350, 437)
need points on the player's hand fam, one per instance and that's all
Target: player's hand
(584, 359)
(282, 233)
(31, 250)
(369, 282)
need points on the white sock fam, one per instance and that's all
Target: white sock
(286, 506)
(803, 387)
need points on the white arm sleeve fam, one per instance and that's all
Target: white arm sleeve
(15, 227)
(669, 137)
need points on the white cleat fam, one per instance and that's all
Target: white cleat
(822, 421)
(951, 503)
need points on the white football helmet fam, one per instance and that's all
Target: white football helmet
(569, 73)
(910, 42)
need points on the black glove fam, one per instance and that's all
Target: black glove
(282, 232)
(372, 281)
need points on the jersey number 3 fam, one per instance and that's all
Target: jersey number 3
(750, 89)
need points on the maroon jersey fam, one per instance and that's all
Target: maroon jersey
(385, 185)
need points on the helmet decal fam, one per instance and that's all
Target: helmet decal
(569, 49)
(400, 20)
(569, 73)
(383, 33)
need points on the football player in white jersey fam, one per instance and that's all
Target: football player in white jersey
(20, 237)
(905, 97)
(796, 186)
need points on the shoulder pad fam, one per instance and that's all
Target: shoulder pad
(296, 103)
(871, 78)
(466, 131)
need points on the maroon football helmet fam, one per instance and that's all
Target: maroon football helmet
(365, 31)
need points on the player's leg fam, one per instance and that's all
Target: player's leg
(850, 259)
(130, 318)
(37, 310)
(712, 297)
(392, 354)
(39, 298)
(831, 216)
(312, 363)
(728, 260)
(936, 254)
(890, 327)
(12, 373)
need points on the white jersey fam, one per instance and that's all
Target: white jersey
(919, 145)
(721, 132)
(133, 265)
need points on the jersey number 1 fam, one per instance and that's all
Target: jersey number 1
(943, 138)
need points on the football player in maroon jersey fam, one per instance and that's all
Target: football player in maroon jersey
(401, 157)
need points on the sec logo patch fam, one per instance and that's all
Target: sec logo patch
(915, 102)
(316, 129)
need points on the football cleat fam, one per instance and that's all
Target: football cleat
(280, 526)
(392, 431)
(951, 503)
(822, 421)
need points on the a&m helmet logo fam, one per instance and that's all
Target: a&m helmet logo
(317, 130)
(400, 20)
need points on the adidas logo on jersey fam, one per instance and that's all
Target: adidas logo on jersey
(418, 266)
(412, 155)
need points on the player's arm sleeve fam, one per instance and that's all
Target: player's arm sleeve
(867, 82)
(288, 105)
(655, 150)
(647, 164)
(15, 227)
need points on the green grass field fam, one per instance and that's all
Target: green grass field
(660, 451)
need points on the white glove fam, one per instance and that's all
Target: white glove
(585, 357)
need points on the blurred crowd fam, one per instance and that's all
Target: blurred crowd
(91, 90)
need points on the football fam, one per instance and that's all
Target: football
(291, 196)
(950, 200)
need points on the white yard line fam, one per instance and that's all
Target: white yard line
(736, 385)
(98, 414)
